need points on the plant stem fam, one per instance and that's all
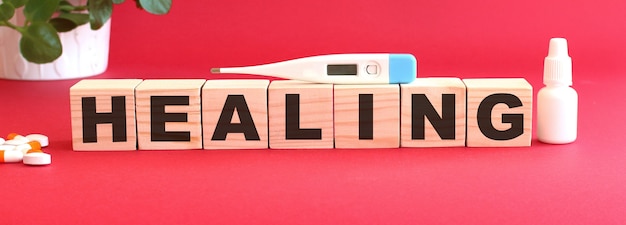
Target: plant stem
(11, 25)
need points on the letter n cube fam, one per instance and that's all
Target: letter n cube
(433, 112)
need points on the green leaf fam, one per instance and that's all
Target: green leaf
(40, 43)
(69, 21)
(62, 24)
(65, 6)
(40, 10)
(16, 3)
(158, 7)
(6, 11)
(77, 18)
(99, 12)
(118, 1)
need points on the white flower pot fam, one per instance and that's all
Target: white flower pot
(85, 53)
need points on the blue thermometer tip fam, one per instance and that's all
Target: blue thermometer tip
(402, 68)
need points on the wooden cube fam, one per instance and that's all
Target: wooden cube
(367, 116)
(433, 112)
(168, 114)
(499, 112)
(103, 114)
(300, 115)
(234, 114)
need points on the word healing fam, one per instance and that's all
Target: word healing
(131, 114)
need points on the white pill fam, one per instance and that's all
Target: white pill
(18, 137)
(37, 159)
(42, 139)
(7, 147)
(1, 141)
(23, 148)
(17, 140)
(10, 156)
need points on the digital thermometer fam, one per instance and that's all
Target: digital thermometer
(377, 68)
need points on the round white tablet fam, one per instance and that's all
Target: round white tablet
(42, 139)
(37, 159)
(18, 140)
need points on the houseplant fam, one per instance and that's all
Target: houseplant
(37, 29)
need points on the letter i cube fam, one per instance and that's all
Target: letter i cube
(366, 116)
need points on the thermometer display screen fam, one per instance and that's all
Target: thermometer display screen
(341, 69)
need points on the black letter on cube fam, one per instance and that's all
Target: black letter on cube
(117, 119)
(516, 120)
(158, 117)
(292, 121)
(366, 116)
(421, 107)
(245, 125)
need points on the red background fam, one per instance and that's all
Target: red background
(579, 183)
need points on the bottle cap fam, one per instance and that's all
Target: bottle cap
(557, 67)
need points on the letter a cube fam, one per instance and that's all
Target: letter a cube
(234, 114)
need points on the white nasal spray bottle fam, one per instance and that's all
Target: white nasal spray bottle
(376, 68)
(557, 102)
